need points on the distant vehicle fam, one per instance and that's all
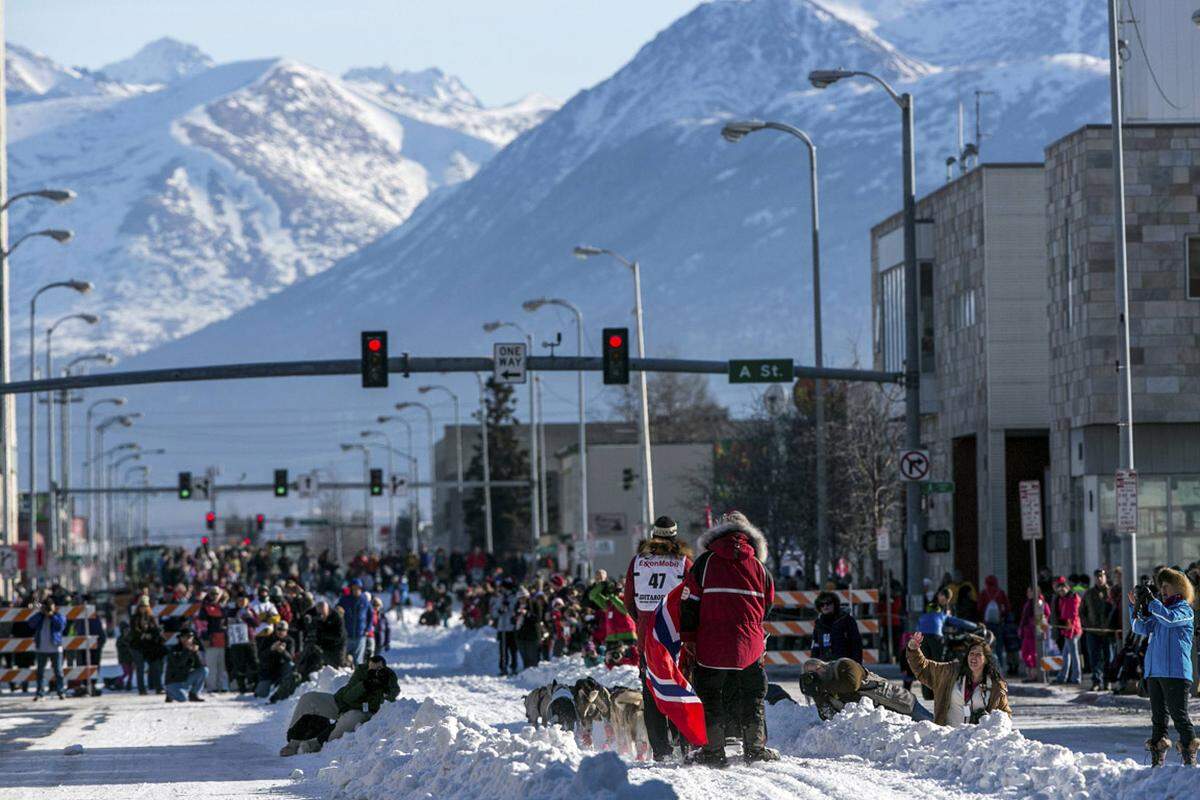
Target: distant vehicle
(144, 563)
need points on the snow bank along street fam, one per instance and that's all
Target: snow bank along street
(459, 731)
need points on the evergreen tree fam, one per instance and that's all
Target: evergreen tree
(509, 459)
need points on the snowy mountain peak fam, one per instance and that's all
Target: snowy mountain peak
(428, 84)
(164, 60)
(30, 75)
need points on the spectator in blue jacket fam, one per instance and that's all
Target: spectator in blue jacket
(932, 625)
(1167, 621)
(48, 626)
(358, 619)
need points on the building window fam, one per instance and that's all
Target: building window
(891, 318)
(1168, 521)
(928, 363)
(1069, 257)
(1193, 267)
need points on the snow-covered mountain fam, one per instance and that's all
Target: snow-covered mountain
(636, 163)
(164, 60)
(203, 189)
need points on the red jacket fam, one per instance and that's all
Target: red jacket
(727, 595)
(659, 581)
(992, 592)
(1067, 610)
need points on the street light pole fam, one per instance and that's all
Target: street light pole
(8, 413)
(51, 488)
(1121, 284)
(535, 521)
(458, 444)
(414, 475)
(366, 453)
(93, 522)
(914, 515)
(584, 252)
(489, 539)
(432, 455)
(734, 132)
(534, 305)
(391, 470)
(82, 287)
(65, 441)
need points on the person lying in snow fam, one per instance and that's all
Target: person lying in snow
(321, 716)
(963, 690)
(833, 684)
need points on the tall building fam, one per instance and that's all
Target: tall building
(1162, 172)
(984, 357)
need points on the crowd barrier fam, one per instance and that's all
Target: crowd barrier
(854, 599)
(70, 642)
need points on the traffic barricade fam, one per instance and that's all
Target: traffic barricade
(786, 633)
(172, 610)
(75, 616)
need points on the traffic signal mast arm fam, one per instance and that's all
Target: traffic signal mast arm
(405, 365)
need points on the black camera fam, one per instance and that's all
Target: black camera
(1143, 593)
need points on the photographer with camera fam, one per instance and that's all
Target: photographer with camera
(1167, 620)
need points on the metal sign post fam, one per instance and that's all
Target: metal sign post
(1031, 531)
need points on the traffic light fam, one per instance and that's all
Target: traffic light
(374, 359)
(246, 542)
(376, 482)
(185, 486)
(616, 356)
(281, 483)
(210, 521)
(260, 522)
(627, 479)
(203, 540)
(936, 541)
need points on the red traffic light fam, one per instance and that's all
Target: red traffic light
(615, 341)
(246, 542)
(260, 519)
(203, 540)
(210, 517)
(374, 345)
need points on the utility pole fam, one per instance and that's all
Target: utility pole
(8, 413)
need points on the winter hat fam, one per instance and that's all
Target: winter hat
(664, 528)
(738, 519)
(1061, 580)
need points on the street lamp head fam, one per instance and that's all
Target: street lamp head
(969, 150)
(57, 195)
(58, 235)
(366, 434)
(489, 327)
(402, 406)
(534, 305)
(735, 131)
(424, 389)
(1196, 18)
(822, 78)
(346, 448)
(382, 418)
(584, 252)
(83, 287)
(117, 401)
(91, 319)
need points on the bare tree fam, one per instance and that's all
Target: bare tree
(681, 408)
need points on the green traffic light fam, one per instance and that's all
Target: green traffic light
(185, 494)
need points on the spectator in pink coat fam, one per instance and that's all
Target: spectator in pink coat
(1069, 629)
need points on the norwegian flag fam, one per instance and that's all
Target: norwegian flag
(672, 693)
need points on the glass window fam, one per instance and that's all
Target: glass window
(1069, 258)
(891, 318)
(1110, 544)
(1152, 523)
(1193, 267)
(926, 316)
(1185, 519)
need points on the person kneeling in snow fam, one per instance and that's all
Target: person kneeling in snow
(321, 716)
(965, 690)
(833, 684)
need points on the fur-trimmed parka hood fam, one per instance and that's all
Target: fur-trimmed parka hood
(736, 523)
(659, 546)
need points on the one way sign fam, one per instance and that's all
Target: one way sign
(508, 362)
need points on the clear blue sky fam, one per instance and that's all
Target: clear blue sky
(501, 49)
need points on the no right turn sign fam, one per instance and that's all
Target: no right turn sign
(914, 465)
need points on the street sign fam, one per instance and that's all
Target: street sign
(399, 486)
(508, 362)
(1031, 510)
(8, 561)
(315, 523)
(1127, 500)
(306, 484)
(914, 465)
(883, 540)
(762, 370)
(938, 487)
(609, 524)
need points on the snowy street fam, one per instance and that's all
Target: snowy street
(459, 731)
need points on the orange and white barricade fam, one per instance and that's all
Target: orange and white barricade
(869, 625)
(29, 674)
